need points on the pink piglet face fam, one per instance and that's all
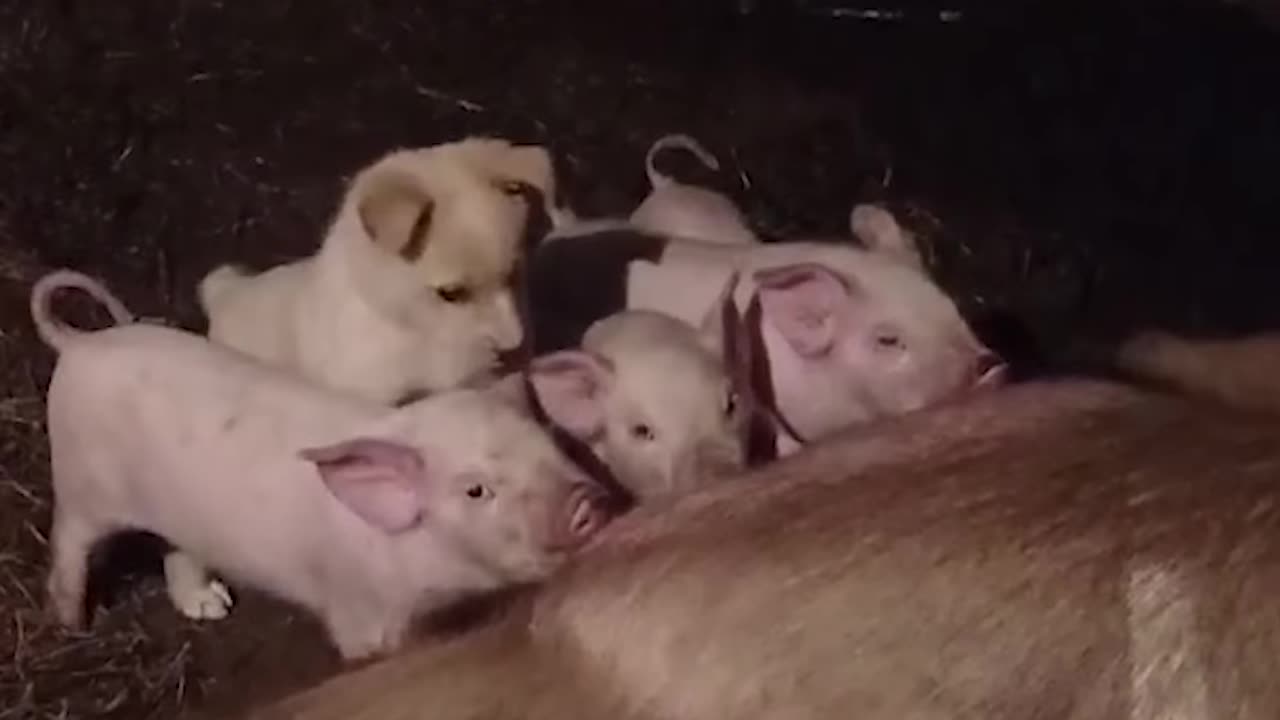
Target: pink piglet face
(854, 356)
(485, 481)
(523, 513)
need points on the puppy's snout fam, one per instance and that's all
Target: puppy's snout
(504, 326)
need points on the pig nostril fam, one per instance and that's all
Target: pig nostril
(585, 517)
(990, 369)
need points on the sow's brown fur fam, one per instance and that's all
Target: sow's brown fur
(1068, 549)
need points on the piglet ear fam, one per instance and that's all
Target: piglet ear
(571, 385)
(379, 480)
(879, 230)
(803, 302)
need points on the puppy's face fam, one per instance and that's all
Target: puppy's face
(454, 243)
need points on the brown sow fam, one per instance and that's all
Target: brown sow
(1058, 549)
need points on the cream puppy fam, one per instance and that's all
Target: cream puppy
(413, 289)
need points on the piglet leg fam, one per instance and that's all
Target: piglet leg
(361, 633)
(72, 538)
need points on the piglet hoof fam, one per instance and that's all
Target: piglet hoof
(211, 601)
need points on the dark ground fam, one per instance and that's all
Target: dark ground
(1078, 173)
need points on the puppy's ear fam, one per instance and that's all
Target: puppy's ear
(395, 213)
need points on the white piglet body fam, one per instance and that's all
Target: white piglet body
(138, 445)
(363, 515)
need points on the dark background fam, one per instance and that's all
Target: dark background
(1076, 170)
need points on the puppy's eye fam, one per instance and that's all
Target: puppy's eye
(479, 491)
(454, 294)
(641, 431)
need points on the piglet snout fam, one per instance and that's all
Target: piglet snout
(990, 370)
(585, 512)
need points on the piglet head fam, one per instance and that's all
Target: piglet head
(576, 389)
(651, 397)
(479, 481)
(845, 351)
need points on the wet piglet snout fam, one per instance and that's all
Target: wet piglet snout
(990, 370)
(584, 513)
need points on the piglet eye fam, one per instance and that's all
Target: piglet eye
(478, 491)
(512, 187)
(888, 340)
(730, 402)
(454, 293)
(642, 431)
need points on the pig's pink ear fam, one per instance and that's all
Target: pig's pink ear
(378, 480)
(571, 386)
(803, 302)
